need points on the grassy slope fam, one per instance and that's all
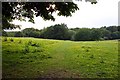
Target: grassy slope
(54, 58)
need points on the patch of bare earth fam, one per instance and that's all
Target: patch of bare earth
(61, 74)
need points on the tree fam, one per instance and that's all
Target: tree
(11, 34)
(31, 32)
(71, 34)
(83, 34)
(115, 35)
(95, 34)
(111, 32)
(18, 34)
(58, 31)
(112, 28)
(4, 33)
(118, 28)
(22, 10)
(105, 34)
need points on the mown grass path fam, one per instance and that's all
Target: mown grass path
(59, 67)
(40, 58)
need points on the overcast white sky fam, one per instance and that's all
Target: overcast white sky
(104, 13)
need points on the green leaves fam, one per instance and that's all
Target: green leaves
(21, 10)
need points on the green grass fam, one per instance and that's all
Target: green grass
(39, 58)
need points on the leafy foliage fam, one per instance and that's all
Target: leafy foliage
(83, 34)
(4, 33)
(61, 32)
(18, 34)
(56, 32)
(31, 32)
(95, 34)
(22, 10)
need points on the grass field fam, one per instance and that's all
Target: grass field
(41, 58)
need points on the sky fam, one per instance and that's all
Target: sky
(104, 13)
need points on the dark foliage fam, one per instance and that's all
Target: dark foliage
(31, 32)
(56, 32)
(21, 10)
(61, 32)
(83, 35)
(18, 34)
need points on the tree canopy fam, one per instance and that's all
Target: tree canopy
(58, 31)
(62, 32)
(23, 10)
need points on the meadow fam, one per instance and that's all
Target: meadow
(44, 58)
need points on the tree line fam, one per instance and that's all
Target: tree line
(61, 32)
